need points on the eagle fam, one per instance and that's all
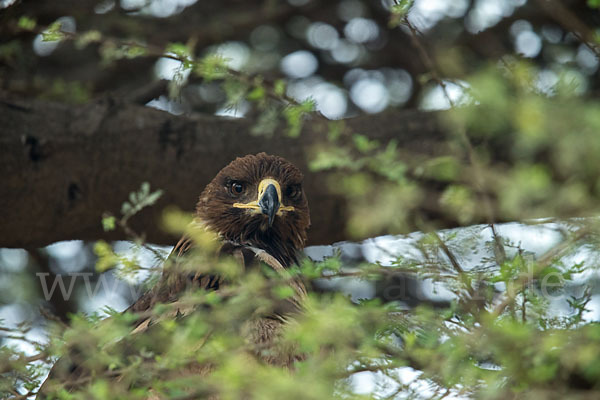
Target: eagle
(257, 207)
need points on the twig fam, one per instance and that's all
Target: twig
(544, 261)
(570, 22)
(499, 252)
(122, 222)
(196, 394)
(449, 254)
(25, 360)
(524, 304)
(23, 396)
(414, 38)
(52, 317)
(462, 133)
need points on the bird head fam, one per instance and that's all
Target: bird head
(258, 200)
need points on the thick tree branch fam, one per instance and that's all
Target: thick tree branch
(63, 165)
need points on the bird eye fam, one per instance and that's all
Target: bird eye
(236, 187)
(293, 191)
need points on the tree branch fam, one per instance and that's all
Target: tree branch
(64, 165)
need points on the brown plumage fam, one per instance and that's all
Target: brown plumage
(244, 228)
(257, 207)
(287, 234)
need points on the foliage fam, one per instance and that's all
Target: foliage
(485, 344)
(138, 200)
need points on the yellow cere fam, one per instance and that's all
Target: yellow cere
(262, 186)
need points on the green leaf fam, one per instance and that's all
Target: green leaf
(279, 87)
(401, 7)
(145, 189)
(182, 52)
(53, 33)
(140, 199)
(134, 50)
(211, 67)
(294, 115)
(107, 259)
(444, 168)
(108, 223)
(256, 94)
(88, 37)
(335, 130)
(459, 202)
(27, 23)
(399, 11)
(126, 208)
(331, 158)
(364, 144)
(593, 3)
(178, 49)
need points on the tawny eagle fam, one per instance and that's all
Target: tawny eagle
(257, 207)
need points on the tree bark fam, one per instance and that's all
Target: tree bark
(63, 165)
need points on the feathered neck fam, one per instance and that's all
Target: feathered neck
(283, 251)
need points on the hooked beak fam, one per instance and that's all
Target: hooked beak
(269, 200)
